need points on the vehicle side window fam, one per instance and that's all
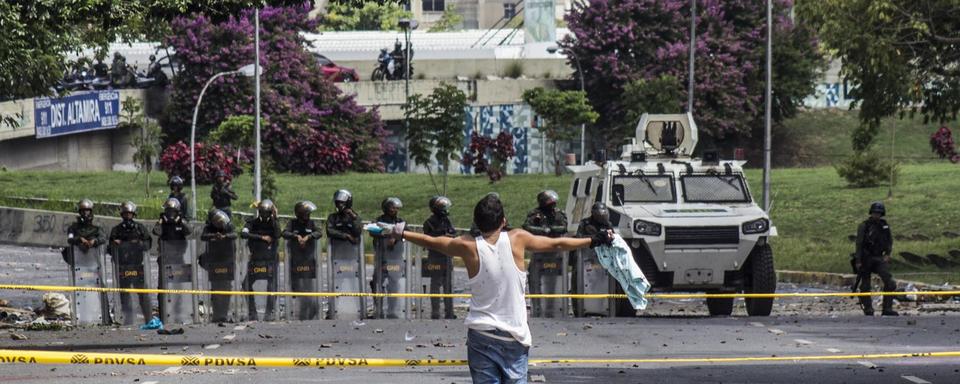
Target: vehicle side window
(576, 187)
(586, 188)
(599, 197)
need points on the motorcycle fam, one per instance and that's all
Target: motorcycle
(392, 65)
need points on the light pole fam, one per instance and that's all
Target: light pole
(767, 108)
(256, 92)
(407, 25)
(583, 88)
(246, 70)
(693, 49)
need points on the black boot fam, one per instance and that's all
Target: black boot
(867, 304)
(889, 312)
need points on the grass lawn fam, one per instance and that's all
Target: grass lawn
(812, 208)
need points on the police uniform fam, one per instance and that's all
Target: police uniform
(82, 230)
(223, 197)
(182, 198)
(440, 225)
(549, 222)
(220, 253)
(874, 243)
(263, 255)
(343, 226)
(380, 271)
(172, 233)
(297, 228)
(130, 231)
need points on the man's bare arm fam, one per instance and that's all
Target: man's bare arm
(536, 243)
(450, 246)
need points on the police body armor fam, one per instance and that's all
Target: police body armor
(178, 269)
(219, 259)
(592, 278)
(391, 271)
(347, 271)
(131, 269)
(303, 275)
(87, 271)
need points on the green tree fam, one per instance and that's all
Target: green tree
(450, 21)
(146, 140)
(235, 131)
(435, 132)
(371, 16)
(663, 94)
(561, 112)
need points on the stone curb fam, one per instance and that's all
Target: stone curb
(845, 280)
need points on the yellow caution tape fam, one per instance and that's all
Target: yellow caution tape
(59, 288)
(82, 358)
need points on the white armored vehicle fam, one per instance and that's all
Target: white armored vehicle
(691, 223)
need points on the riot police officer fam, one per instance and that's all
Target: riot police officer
(438, 266)
(176, 192)
(172, 231)
(546, 220)
(344, 224)
(598, 221)
(382, 245)
(129, 240)
(83, 233)
(219, 260)
(221, 193)
(262, 234)
(302, 239)
(874, 245)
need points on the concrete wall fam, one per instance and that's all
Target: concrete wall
(469, 68)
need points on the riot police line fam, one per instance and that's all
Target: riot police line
(268, 252)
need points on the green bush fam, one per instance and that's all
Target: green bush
(867, 169)
(514, 70)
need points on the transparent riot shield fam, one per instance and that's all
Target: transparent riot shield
(218, 258)
(178, 272)
(390, 276)
(592, 278)
(261, 274)
(131, 269)
(548, 276)
(347, 274)
(302, 275)
(87, 271)
(436, 276)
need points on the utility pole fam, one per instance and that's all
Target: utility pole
(693, 49)
(256, 81)
(767, 108)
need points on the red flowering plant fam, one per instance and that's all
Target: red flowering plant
(498, 150)
(941, 142)
(175, 160)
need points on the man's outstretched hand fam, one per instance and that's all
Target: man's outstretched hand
(604, 238)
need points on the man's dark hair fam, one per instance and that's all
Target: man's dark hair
(488, 213)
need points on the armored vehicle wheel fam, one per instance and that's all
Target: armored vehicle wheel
(761, 278)
(720, 307)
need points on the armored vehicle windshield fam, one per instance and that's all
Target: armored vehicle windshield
(643, 189)
(715, 188)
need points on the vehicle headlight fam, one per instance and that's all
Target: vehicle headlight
(756, 226)
(646, 228)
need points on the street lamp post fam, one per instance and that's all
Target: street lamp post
(408, 25)
(583, 89)
(247, 70)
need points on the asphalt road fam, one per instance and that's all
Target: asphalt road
(668, 329)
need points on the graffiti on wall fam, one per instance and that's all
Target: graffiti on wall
(830, 95)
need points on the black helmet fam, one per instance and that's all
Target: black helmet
(176, 181)
(219, 173)
(599, 212)
(877, 207)
(303, 209)
(440, 205)
(128, 207)
(547, 198)
(266, 209)
(343, 196)
(171, 208)
(391, 202)
(218, 218)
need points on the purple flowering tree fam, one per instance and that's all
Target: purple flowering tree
(620, 42)
(297, 104)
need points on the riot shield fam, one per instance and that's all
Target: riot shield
(390, 276)
(302, 275)
(346, 274)
(130, 268)
(87, 271)
(178, 271)
(438, 271)
(592, 278)
(219, 259)
(548, 276)
(261, 274)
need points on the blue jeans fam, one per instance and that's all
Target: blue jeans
(494, 361)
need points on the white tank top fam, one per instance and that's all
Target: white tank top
(498, 292)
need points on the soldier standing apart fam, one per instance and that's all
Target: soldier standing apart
(83, 233)
(874, 245)
(344, 224)
(302, 239)
(219, 260)
(382, 246)
(129, 240)
(172, 232)
(546, 220)
(176, 192)
(439, 267)
(262, 234)
(221, 194)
